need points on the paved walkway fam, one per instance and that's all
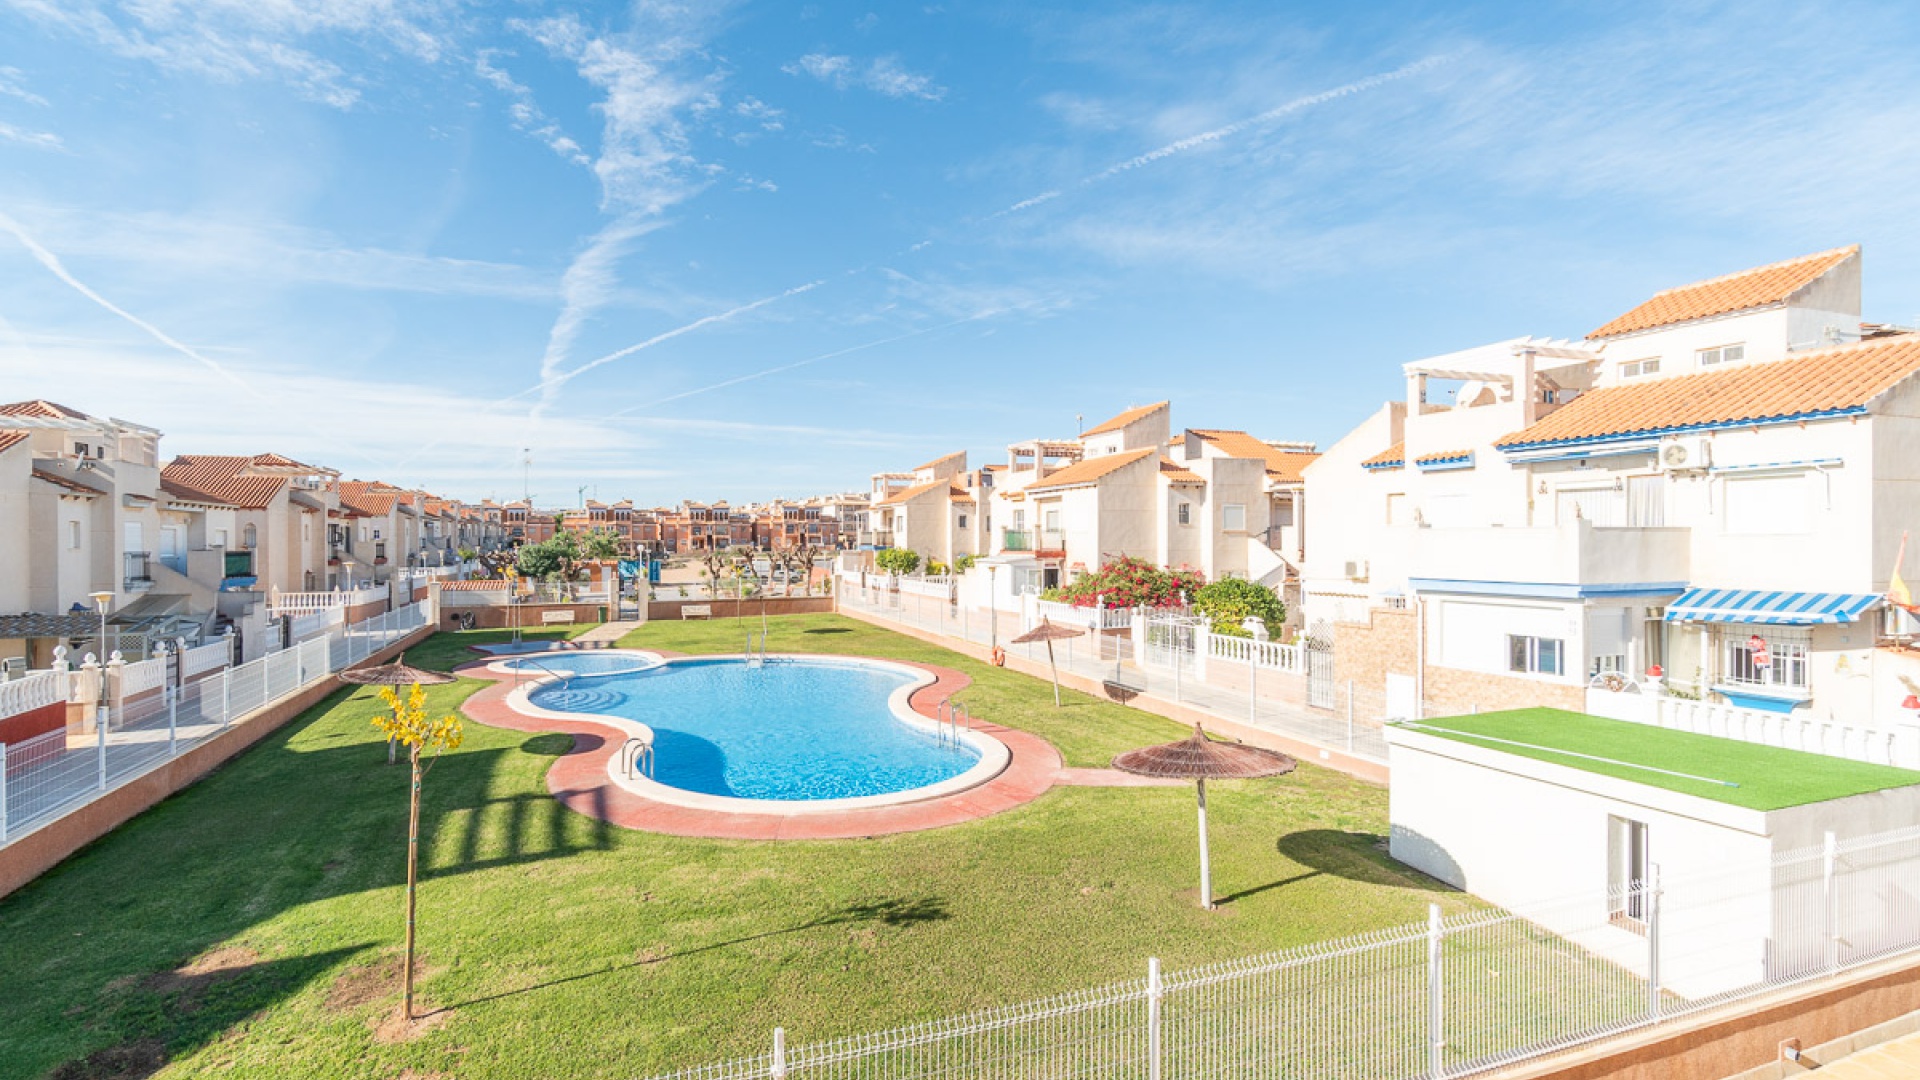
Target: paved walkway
(1899, 1059)
(579, 778)
(607, 634)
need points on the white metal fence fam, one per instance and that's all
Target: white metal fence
(154, 714)
(1646, 705)
(1449, 997)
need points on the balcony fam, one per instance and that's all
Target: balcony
(137, 578)
(1038, 541)
(1576, 554)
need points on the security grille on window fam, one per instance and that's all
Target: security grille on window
(1723, 354)
(1534, 655)
(1185, 514)
(1765, 656)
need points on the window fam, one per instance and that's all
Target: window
(1633, 369)
(963, 521)
(1185, 514)
(1052, 522)
(81, 449)
(1721, 354)
(219, 538)
(1233, 517)
(249, 537)
(1397, 508)
(1534, 655)
(1764, 656)
(73, 536)
(1629, 875)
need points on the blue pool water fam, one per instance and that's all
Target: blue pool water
(580, 663)
(790, 730)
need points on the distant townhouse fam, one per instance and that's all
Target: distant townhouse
(1708, 494)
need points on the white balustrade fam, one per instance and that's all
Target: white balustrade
(36, 690)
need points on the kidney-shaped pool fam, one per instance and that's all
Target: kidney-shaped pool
(791, 730)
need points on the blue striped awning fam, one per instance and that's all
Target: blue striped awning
(1770, 608)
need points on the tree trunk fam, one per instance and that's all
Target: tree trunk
(413, 862)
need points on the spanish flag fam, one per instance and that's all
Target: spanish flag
(1897, 592)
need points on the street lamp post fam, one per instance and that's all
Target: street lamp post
(101, 602)
(993, 604)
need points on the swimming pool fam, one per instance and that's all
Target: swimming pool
(793, 734)
(575, 662)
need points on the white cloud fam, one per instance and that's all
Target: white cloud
(526, 114)
(13, 84)
(38, 140)
(882, 75)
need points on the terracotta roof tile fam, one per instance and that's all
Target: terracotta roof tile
(1838, 380)
(918, 490)
(1442, 456)
(1283, 466)
(224, 478)
(10, 439)
(1092, 469)
(66, 483)
(44, 409)
(184, 493)
(1758, 287)
(1125, 418)
(1179, 474)
(1393, 457)
(369, 497)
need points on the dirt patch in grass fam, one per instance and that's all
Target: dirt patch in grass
(196, 974)
(363, 984)
(127, 1061)
(394, 1028)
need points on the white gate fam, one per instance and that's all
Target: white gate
(1319, 654)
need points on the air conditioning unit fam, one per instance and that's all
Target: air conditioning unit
(1686, 454)
(1357, 571)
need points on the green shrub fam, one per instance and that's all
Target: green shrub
(1230, 601)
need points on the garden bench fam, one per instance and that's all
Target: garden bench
(697, 611)
(556, 617)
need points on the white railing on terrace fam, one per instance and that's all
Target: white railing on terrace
(1793, 730)
(51, 775)
(204, 658)
(1267, 654)
(34, 690)
(299, 603)
(314, 623)
(1451, 996)
(927, 586)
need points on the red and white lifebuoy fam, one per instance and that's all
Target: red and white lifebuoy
(999, 656)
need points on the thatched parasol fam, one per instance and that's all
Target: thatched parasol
(394, 674)
(1049, 633)
(1201, 759)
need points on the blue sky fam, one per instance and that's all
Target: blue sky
(746, 250)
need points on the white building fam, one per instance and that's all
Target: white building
(1709, 487)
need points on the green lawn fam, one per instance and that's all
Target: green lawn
(248, 926)
(1724, 770)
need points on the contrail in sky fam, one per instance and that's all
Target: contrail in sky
(1278, 112)
(566, 376)
(52, 262)
(751, 376)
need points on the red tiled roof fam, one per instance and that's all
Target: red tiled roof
(66, 483)
(10, 439)
(1835, 380)
(1177, 473)
(1439, 456)
(44, 409)
(1391, 458)
(1092, 469)
(954, 494)
(1125, 418)
(369, 497)
(184, 493)
(1759, 287)
(223, 478)
(1283, 466)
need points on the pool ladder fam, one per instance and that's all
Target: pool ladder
(636, 758)
(951, 717)
(756, 659)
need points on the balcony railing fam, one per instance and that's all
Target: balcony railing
(137, 577)
(1035, 540)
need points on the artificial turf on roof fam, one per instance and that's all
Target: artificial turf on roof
(1768, 777)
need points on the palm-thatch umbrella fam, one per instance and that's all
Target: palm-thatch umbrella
(398, 674)
(1200, 758)
(1049, 633)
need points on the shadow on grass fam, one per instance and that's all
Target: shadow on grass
(1355, 856)
(829, 630)
(892, 912)
(163, 1016)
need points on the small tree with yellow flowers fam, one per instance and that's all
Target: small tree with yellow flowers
(408, 725)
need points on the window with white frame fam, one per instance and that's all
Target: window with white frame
(1721, 354)
(1633, 369)
(1397, 508)
(1764, 656)
(1535, 655)
(1052, 520)
(1184, 514)
(1629, 869)
(1233, 517)
(73, 536)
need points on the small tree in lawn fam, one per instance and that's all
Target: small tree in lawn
(408, 724)
(898, 561)
(1229, 602)
(600, 544)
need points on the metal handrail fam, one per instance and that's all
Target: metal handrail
(637, 753)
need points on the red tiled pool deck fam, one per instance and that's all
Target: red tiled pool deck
(579, 778)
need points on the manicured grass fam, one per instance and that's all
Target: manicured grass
(1751, 775)
(235, 929)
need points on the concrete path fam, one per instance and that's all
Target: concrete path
(607, 634)
(1899, 1058)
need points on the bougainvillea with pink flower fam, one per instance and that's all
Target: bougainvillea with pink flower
(1129, 582)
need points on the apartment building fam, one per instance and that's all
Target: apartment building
(1706, 494)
